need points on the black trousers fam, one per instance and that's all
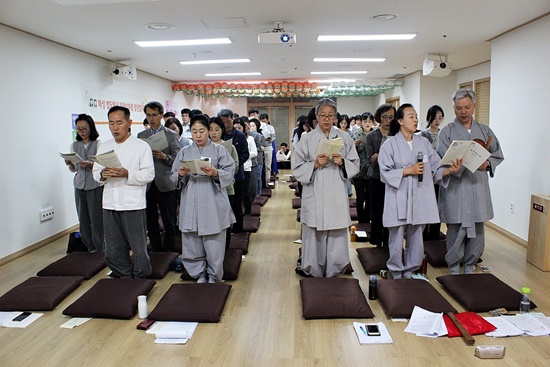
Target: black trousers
(237, 205)
(433, 230)
(379, 234)
(166, 203)
(363, 199)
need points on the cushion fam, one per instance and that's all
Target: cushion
(399, 296)
(260, 200)
(293, 185)
(39, 293)
(240, 241)
(75, 243)
(111, 299)
(296, 203)
(481, 292)
(160, 263)
(366, 227)
(353, 214)
(82, 264)
(266, 192)
(231, 265)
(255, 210)
(192, 302)
(329, 298)
(352, 202)
(251, 224)
(435, 252)
(373, 259)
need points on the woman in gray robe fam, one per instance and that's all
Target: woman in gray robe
(205, 212)
(409, 203)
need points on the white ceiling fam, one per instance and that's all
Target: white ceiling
(459, 28)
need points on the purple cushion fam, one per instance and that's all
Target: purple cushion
(255, 210)
(373, 259)
(260, 200)
(266, 192)
(251, 224)
(82, 264)
(435, 252)
(296, 203)
(192, 302)
(399, 296)
(160, 263)
(39, 293)
(329, 298)
(240, 241)
(353, 214)
(231, 265)
(111, 299)
(352, 202)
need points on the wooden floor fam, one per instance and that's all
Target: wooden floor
(262, 323)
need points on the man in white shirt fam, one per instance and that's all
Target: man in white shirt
(269, 133)
(185, 123)
(124, 204)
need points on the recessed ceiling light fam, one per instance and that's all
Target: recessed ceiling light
(201, 62)
(385, 17)
(160, 26)
(349, 59)
(209, 41)
(234, 74)
(337, 72)
(368, 37)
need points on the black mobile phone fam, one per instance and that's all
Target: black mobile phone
(22, 316)
(372, 330)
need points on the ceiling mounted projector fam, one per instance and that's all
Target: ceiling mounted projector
(277, 36)
(123, 73)
(436, 65)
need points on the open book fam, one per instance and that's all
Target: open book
(108, 159)
(472, 153)
(329, 146)
(194, 165)
(157, 141)
(73, 157)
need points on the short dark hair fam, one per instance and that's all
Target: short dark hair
(194, 112)
(175, 121)
(284, 145)
(169, 114)
(258, 124)
(145, 122)
(241, 121)
(432, 111)
(366, 116)
(225, 112)
(154, 105)
(202, 119)
(185, 110)
(93, 131)
(253, 110)
(264, 116)
(124, 110)
(399, 114)
(218, 121)
(381, 109)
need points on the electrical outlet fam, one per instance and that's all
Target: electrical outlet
(46, 214)
(512, 207)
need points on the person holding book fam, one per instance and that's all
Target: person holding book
(124, 217)
(325, 206)
(361, 181)
(409, 166)
(87, 192)
(205, 211)
(465, 204)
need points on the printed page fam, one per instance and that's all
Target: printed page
(108, 159)
(194, 165)
(472, 153)
(73, 157)
(158, 141)
(329, 146)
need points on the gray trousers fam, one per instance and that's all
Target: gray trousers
(90, 217)
(324, 253)
(461, 249)
(401, 263)
(203, 255)
(125, 230)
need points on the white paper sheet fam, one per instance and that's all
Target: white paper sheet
(7, 320)
(74, 322)
(425, 323)
(384, 338)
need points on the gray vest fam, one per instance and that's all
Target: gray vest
(83, 179)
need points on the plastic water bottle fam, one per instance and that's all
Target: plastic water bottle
(142, 307)
(525, 304)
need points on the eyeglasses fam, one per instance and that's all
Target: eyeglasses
(81, 129)
(326, 117)
(386, 117)
(152, 114)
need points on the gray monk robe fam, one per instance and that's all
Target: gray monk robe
(325, 205)
(466, 202)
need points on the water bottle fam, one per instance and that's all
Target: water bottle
(525, 304)
(372, 287)
(142, 307)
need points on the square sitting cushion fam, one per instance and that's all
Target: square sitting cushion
(82, 264)
(330, 298)
(251, 224)
(260, 200)
(231, 265)
(39, 293)
(266, 192)
(255, 210)
(293, 185)
(353, 214)
(160, 263)
(399, 296)
(352, 202)
(240, 241)
(296, 203)
(435, 252)
(192, 302)
(111, 299)
(373, 259)
(481, 292)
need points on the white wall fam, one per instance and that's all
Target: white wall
(356, 105)
(436, 91)
(41, 86)
(519, 118)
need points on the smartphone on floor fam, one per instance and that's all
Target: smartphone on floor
(373, 330)
(22, 316)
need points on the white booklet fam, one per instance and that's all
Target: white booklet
(194, 165)
(329, 146)
(158, 141)
(73, 157)
(172, 332)
(361, 331)
(108, 159)
(425, 323)
(472, 154)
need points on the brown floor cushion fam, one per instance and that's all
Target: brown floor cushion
(192, 302)
(373, 259)
(240, 241)
(160, 263)
(111, 299)
(353, 214)
(331, 298)
(365, 227)
(260, 200)
(255, 210)
(266, 192)
(347, 270)
(435, 252)
(481, 292)
(352, 202)
(231, 265)
(399, 296)
(293, 185)
(296, 203)
(250, 224)
(82, 264)
(39, 293)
